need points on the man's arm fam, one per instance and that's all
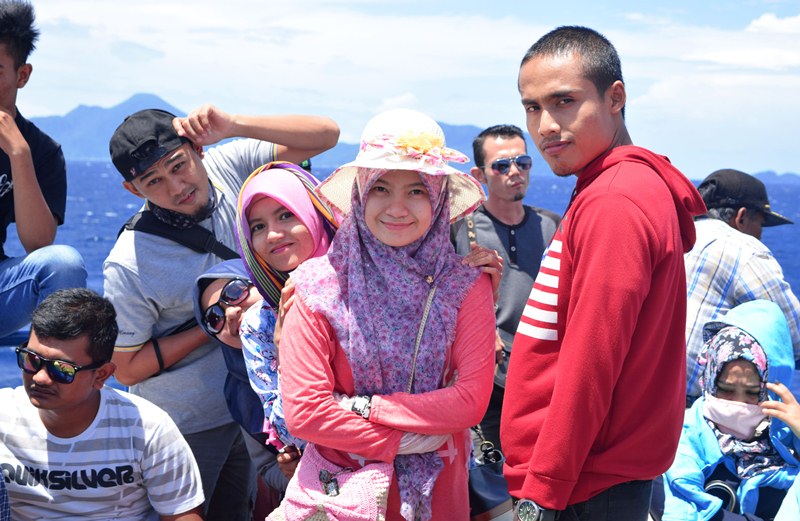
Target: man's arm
(195, 514)
(134, 366)
(297, 137)
(36, 224)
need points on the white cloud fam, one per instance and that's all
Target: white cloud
(695, 89)
(769, 23)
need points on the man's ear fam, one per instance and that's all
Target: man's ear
(737, 221)
(102, 374)
(23, 75)
(127, 185)
(617, 96)
(478, 173)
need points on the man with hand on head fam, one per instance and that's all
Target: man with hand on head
(517, 232)
(33, 185)
(594, 394)
(161, 352)
(73, 448)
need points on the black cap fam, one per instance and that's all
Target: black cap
(730, 188)
(141, 140)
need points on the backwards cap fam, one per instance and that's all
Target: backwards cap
(141, 140)
(730, 188)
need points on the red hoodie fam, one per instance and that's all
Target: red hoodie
(596, 382)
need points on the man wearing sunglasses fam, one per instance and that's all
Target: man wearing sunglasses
(72, 447)
(517, 232)
(161, 352)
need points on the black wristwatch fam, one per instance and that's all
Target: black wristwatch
(528, 510)
(361, 406)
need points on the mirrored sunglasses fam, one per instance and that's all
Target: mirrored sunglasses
(60, 371)
(234, 292)
(503, 165)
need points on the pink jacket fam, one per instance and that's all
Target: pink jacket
(313, 366)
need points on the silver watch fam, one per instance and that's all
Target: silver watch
(528, 510)
(361, 406)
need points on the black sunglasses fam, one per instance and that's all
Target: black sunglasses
(60, 371)
(234, 292)
(503, 165)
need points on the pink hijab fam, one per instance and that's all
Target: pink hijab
(292, 187)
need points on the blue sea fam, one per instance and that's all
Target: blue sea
(97, 206)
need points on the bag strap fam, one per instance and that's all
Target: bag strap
(489, 452)
(472, 235)
(419, 336)
(195, 238)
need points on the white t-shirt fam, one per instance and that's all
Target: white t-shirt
(131, 463)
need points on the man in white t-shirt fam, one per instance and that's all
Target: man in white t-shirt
(73, 448)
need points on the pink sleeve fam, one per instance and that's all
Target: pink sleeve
(309, 361)
(462, 405)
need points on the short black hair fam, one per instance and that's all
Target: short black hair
(506, 131)
(76, 312)
(601, 64)
(17, 31)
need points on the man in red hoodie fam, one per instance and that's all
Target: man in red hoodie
(595, 392)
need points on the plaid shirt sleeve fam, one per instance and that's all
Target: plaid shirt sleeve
(730, 280)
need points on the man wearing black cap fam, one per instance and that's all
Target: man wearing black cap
(160, 352)
(729, 264)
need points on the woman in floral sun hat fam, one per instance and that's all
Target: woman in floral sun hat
(391, 341)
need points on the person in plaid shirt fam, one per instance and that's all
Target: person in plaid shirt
(730, 265)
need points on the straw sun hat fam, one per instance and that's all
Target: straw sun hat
(404, 139)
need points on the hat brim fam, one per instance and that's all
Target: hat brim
(465, 193)
(775, 219)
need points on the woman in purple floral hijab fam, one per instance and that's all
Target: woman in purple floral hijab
(737, 454)
(390, 356)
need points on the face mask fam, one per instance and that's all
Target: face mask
(736, 418)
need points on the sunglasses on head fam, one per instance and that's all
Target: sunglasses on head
(234, 292)
(60, 371)
(503, 165)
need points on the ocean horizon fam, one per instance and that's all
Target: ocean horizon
(97, 207)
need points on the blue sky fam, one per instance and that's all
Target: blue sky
(711, 84)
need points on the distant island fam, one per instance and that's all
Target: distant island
(84, 133)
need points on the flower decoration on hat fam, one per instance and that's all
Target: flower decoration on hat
(416, 145)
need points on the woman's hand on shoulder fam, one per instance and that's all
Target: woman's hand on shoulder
(489, 261)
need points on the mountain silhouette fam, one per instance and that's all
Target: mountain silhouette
(84, 133)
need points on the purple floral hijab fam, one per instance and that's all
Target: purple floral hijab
(373, 295)
(732, 343)
(728, 344)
